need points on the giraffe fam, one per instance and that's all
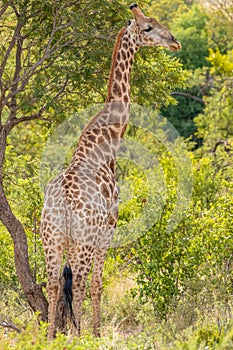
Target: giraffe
(80, 209)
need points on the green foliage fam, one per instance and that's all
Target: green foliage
(197, 250)
(161, 73)
(200, 28)
(209, 336)
(190, 29)
(215, 124)
(219, 28)
(7, 274)
(222, 64)
(167, 11)
(132, 205)
(22, 188)
(182, 113)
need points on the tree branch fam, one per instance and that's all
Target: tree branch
(11, 325)
(34, 116)
(185, 94)
(227, 146)
(10, 48)
(18, 67)
(3, 9)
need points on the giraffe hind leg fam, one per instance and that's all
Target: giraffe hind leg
(53, 287)
(96, 288)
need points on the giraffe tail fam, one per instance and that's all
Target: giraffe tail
(68, 294)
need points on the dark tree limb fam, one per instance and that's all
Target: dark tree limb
(227, 146)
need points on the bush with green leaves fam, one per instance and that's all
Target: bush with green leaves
(197, 252)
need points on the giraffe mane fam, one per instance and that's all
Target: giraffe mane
(114, 58)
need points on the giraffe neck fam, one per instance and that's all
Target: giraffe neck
(100, 139)
(122, 60)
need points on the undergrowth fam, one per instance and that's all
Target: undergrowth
(192, 324)
(204, 337)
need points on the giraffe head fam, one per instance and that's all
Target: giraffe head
(151, 33)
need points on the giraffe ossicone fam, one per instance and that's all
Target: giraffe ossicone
(81, 205)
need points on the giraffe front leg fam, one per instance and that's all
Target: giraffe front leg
(96, 289)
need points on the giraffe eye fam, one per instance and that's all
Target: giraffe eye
(148, 29)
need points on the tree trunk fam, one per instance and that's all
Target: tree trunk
(32, 291)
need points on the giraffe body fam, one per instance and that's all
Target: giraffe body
(81, 205)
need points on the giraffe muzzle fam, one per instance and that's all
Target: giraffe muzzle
(175, 45)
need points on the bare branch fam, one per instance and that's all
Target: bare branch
(53, 32)
(4, 100)
(185, 94)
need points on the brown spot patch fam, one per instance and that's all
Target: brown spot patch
(122, 66)
(123, 54)
(118, 74)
